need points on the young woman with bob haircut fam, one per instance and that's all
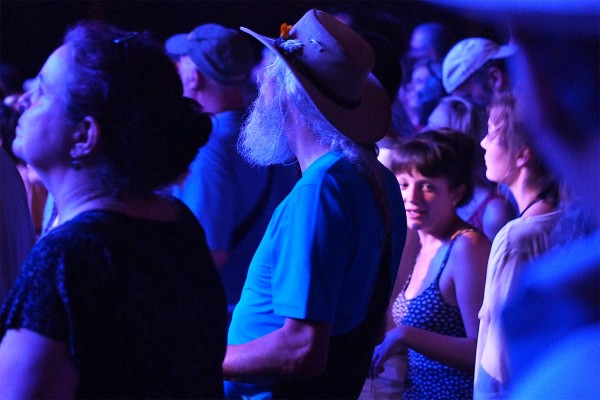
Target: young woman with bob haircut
(436, 311)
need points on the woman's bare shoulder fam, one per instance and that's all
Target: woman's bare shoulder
(471, 242)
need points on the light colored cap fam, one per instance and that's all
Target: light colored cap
(467, 56)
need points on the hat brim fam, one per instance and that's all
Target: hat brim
(505, 51)
(177, 45)
(365, 124)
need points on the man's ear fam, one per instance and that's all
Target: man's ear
(523, 157)
(198, 80)
(495, 78)
(86, 138)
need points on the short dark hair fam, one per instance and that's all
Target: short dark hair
(150, 133)
(447, 155)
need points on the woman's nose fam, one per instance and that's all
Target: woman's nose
(411, 194)
(483, 142)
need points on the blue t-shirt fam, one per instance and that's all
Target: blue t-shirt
(222, 190)
(320, 255)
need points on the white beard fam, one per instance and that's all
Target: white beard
(262, 139)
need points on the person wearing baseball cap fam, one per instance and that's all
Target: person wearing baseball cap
(312, 307)
(220, 53)
(232, 200)
(474, 68)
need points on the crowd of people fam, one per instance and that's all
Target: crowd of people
(343, 218)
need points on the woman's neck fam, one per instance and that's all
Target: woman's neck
(530, 199)
(442, 233)
(71, 203)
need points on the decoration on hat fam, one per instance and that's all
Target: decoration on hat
(284, 31)
(284, 42)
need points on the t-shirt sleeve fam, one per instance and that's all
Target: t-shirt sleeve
(37, 300)
(317, 248)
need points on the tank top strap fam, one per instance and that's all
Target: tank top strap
(447, 255)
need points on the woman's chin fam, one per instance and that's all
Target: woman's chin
(17, 149)
(414, 225)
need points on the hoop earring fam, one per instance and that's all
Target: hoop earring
(75, 164)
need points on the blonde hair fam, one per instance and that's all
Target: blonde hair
(461, 115)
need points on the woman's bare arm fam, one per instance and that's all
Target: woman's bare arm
(34, 366)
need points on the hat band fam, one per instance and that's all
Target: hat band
(331, 95)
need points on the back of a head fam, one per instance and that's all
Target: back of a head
(461, 115)
(149, 132)
(432, 40)
(220, 53)
(437, 155)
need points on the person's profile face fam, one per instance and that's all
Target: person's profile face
(44, 134)
(497, 158)
(420, 44)
(417, 86)
(475, 90)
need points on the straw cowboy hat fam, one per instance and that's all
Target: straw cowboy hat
(333, 64)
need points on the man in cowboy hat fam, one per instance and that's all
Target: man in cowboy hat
(318, 286)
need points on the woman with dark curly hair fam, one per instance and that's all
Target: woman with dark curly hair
(122, 300)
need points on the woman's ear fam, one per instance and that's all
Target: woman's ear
(523, 157)
(85, 138)
(458, 194)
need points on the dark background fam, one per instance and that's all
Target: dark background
(31, 30)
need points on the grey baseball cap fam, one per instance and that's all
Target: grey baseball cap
(221, 53)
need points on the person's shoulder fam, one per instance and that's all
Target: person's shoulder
(69, 234)
(61, 245)
(469, 240)
(226, 126)
(388, 175)
(470, 253)
(499, 207)
(521, 229)
(224, 135)
(330, 166)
